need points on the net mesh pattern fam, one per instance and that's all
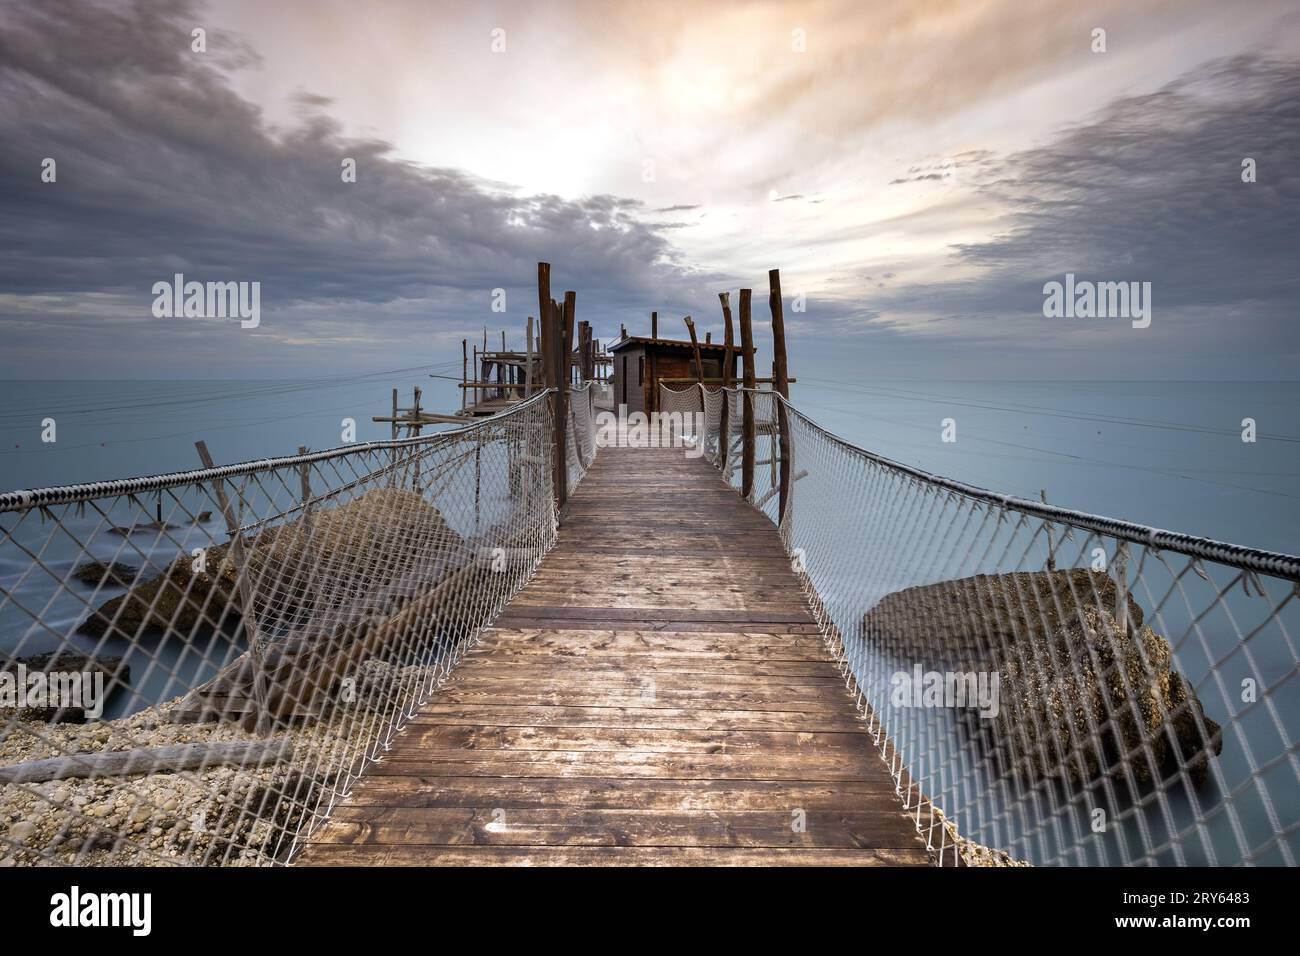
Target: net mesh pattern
(1045, 685)
(252, 635)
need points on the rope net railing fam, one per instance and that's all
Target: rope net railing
(694, 412)
(580, 435)
(195, 667)
(1045, 685)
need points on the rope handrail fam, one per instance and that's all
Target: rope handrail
(19, 500)
(1246, 558)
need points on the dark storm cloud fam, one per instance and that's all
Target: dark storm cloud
(163, 168)
(1150, 190)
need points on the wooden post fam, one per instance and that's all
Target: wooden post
(1051, 546)
(549, 346)
(728, 368)
(654, 325)
(415, 452)
(304, 481)
(747, 405)
(528, 362)
(570, 308)
(464, 375)
(699, 363)
(247, 613)
(781, 384)
(1120, 564)
(392, 455)
(560, 355)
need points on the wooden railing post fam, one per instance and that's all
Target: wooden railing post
(749, 431)
(782, 384)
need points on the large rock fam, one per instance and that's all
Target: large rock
(338, 555)
(970, 623)
(1079, 694)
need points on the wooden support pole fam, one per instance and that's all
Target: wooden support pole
(528, 362)
(560, 359)
(695, 345)
(728, 368)
(415, 453)
(654, 325)
(464, 377)
(747, 404)
(1051, 545)
(782, 384)
(549, 345)
(392, 455)
(247, 610)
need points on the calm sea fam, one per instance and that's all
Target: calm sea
(1168, 454)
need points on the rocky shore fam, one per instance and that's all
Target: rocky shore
(222, 815)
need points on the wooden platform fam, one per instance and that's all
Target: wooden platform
(657, 694)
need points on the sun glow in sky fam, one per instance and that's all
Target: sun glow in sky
(713, 106)
(876, 152)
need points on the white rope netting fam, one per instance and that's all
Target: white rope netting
(1045, 685)
(252, 635)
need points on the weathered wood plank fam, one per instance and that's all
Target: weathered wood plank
(658, 694)
(432, 855)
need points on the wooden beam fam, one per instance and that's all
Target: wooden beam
(654, 325)
(782, 384)
(749, 433)
(170, 758)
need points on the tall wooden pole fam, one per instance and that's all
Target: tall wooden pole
(654, 325)
(560, 358)
(550, 346)
(570, 308)
(695, 345)
(392, 454)
(728, 368)
(782, 383)
(747, 405)
(528, 362)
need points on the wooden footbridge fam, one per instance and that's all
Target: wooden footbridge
(641, 674)
(657, 694)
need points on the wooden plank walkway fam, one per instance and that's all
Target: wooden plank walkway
(658, 694)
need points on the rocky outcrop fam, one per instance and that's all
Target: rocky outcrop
(1080, 695)
(335, 555)
(106, 574)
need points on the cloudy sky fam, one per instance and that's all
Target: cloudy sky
(916, 169)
